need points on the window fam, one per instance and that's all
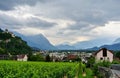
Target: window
(101, 58)
(104, 52)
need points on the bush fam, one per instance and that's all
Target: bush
(95, 68)
(36, 58)
(115, 62)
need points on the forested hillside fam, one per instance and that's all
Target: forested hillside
(11, 44)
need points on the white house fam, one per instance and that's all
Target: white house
(22, 57)
(57, 56)
(104, 54)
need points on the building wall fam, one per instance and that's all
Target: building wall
(25, 58)
(19, 59)
(99, 55)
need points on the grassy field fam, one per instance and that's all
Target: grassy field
(14, 69)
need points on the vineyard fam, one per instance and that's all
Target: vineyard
(14, 69)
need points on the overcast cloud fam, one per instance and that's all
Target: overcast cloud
(61, 20)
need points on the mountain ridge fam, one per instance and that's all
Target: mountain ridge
(38, 41)
(65, 47)
(86, 45)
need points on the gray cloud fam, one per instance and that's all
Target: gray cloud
(11, 22)
(87, 15)
(35, 22)
(78, 26)
(10, 4)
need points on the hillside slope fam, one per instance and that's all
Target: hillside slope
(13, 45)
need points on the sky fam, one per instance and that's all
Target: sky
(63, 21)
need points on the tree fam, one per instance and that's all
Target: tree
(37, 57)
(48, 58)
(97, 65)
(117, 54)
(2, 51)
(5, 36)
(13, 45)
(91, 62)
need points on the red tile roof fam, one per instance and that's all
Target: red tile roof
(72, 57)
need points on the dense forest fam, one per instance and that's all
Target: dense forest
(10, 44)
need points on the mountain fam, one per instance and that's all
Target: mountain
(77, 45)
(110, 47)
(35, 49)
(65, 47)
(114, 46)
(93, 43)
(38, 41)
(84, 44)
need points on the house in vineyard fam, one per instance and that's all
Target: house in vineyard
(22, 57)
(104, 55)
